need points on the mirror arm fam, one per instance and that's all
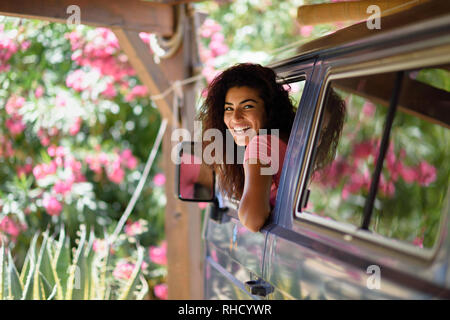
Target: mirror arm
(217, 213)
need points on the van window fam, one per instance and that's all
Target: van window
(413, 183)
(295, 89)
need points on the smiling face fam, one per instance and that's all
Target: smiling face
(244, 113)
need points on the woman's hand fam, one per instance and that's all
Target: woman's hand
(254, 207)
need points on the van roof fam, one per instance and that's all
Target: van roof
(434, 14)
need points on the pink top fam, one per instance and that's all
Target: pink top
(268, 149)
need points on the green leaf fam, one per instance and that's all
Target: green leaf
(2, 271)
(14, 284)
(76, 281)
(29, 258)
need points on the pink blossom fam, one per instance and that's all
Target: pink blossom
(15, 125)
(6, 148)
(128, 159)
(161, 291)
(363, 149)
(39, 92)
(368, 109)
(426, 173)
(134, 228)
(75, 127)
(13, 104)
(418, 241)
(145, 37)
(306, 31)
(75, 80)
(123, 270)
(99, 246)
(24, 170)
(117, 174)
(62, 187)
(159, 254)
(52, 206)
(137, 91)
(202, 205)
(8, 226)
(159, 179)
(110, 91)
(218, 48)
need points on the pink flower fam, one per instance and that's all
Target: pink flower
(110, 91)
(24, 170)
(363, 149)
(39, 92)
(202, 205)
(62, 187)
(426, 173)
(134, 228)
(418, 241)
(159, 179)
(76, 81)
(123, 270)
(8, 226)
(128, 159)
(75, 128)
(161, 291)
(159, 254)
(15, 125)
(52, 205)
(13, 104)
(368, 109)
(137, 91)
(99, 245)
(116, 174)
(306, 31)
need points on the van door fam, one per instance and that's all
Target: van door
(233, 255)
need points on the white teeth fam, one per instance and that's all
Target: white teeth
(240, 130)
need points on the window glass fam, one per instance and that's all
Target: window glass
(413, 185)
(296, 91)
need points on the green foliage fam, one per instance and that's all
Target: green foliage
(52, 272)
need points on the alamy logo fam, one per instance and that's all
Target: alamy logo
(75, 14)
(374, 21)
(374, 280)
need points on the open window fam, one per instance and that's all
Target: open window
(381, 159)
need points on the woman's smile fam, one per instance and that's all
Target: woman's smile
(244, 114)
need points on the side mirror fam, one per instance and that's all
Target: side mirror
(195, 181)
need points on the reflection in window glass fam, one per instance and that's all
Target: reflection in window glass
(296, 91)
(413, 187)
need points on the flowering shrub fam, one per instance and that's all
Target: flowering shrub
(76, 127)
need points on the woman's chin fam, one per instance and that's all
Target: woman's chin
(242, 141)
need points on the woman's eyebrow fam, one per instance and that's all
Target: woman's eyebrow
(244, 101)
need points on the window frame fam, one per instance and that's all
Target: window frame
(418, 59)
(297, 76)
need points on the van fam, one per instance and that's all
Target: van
(371, 223)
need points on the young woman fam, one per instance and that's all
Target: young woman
(242, 101)
(247, 102)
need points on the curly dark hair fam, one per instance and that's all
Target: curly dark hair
(278, 107)
(331, 130)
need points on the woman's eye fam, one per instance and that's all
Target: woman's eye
(228, 109)
(248, 106)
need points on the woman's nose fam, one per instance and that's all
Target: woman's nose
(237, 115)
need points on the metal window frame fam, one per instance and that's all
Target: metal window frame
(425, 57)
